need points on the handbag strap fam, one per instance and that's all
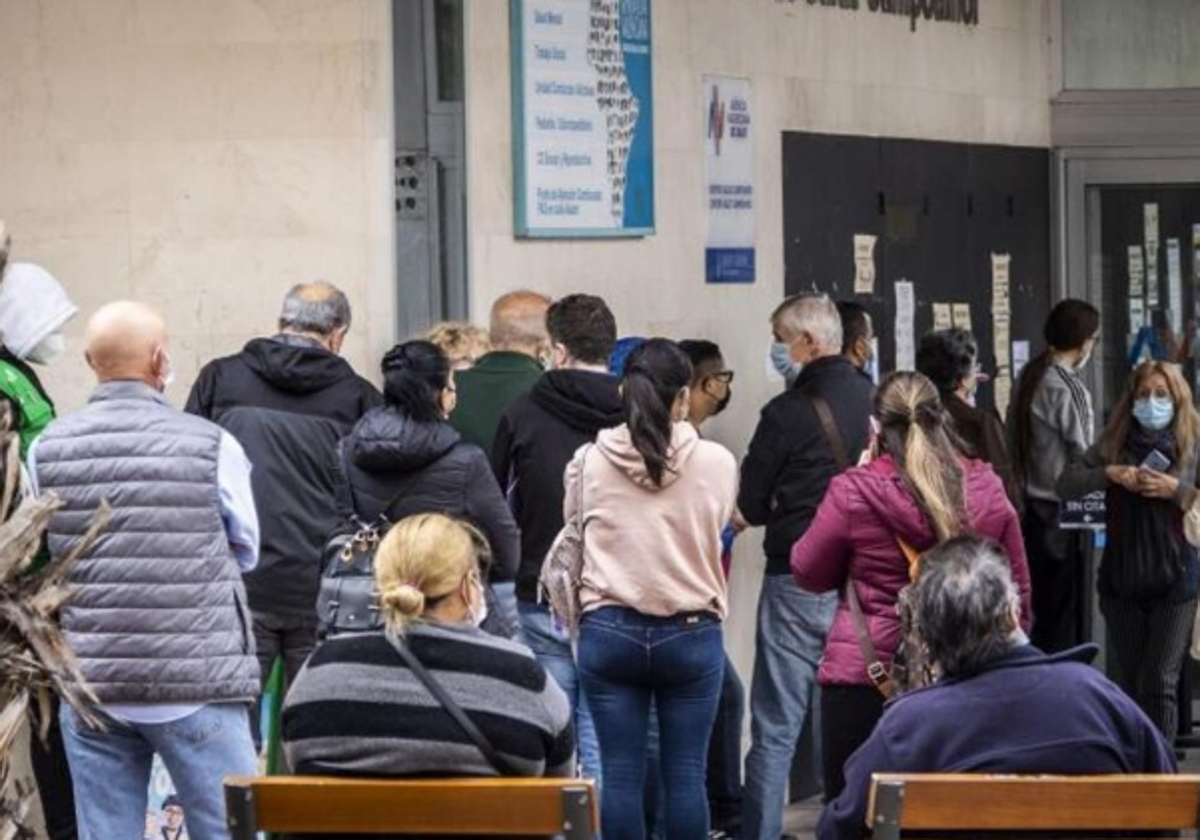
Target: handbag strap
(579, 518)
(832, 433)
(455, 711)
(876, 672)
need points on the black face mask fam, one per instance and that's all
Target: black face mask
(722, 403)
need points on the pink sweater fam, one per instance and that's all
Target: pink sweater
(653, 549)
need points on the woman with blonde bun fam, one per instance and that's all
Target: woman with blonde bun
(357, 709)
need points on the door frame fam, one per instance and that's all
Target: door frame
(1111, 138)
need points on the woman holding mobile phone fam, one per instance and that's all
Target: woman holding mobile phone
(1149, 575)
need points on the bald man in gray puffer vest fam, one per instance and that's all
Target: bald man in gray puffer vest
(159, 621)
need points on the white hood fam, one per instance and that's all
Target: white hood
(33, 305)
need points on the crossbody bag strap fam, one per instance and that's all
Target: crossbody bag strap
(455, 711)
(832, 433)
(579, 517)
(876, 672)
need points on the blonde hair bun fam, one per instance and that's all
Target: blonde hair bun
(403, 601)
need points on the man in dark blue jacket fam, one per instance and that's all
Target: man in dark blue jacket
(1001, 705)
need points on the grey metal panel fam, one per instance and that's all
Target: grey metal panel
(1126, 119)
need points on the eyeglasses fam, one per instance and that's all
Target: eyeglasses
(725, 376)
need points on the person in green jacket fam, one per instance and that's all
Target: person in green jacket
(519, 343)
(34, 308)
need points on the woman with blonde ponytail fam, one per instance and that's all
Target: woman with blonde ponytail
(915, 491)
(357, 708)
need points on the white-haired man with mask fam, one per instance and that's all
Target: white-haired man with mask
(790, 462)
(998, 704)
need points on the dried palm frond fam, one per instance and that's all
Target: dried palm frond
(35, 662)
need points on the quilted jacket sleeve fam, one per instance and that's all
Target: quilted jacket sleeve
(821, 558)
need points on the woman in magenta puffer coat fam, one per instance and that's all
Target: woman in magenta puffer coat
(917, 489)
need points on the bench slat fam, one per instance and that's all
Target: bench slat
(1013, 803)
(431, 806)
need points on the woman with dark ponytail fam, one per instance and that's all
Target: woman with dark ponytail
(917, 490)
(653, 498)
(1051, 424)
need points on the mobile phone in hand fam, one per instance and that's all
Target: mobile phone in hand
(1156, 461)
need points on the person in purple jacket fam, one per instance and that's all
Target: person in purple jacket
(998, 705)
(916, 490)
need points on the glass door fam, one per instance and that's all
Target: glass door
(1144, 241)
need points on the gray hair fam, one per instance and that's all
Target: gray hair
(810, 313)
(319, 307)
(962, 605)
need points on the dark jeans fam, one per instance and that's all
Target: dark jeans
(725, 755)
(848, 716)
(1057, 576)
(1150, 642)
(53, 777)
(293, 638)
(628, 661)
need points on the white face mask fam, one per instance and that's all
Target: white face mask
(478, 615)
(46, 350)
(167, 373)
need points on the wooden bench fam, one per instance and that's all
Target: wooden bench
(483, 807)
(1081, 805)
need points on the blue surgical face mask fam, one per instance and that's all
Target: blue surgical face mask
(781, 360)
(1154, 413)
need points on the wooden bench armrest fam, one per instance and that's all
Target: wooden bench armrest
(533, 807)
(935, 802)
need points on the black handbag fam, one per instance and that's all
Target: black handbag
(347, 601)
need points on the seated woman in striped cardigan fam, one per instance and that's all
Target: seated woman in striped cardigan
(359, 708)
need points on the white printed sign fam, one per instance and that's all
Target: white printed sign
(729, 180)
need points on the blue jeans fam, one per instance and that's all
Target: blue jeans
(792, 625)
(111, 769)
(553, 650)
(628, 662)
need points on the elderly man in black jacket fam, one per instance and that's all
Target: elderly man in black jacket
(288, 399)
(789, 465)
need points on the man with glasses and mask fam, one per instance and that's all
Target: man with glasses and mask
(158, 621)
(711, 381)
(711, 391)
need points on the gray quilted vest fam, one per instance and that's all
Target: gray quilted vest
(159, 615)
